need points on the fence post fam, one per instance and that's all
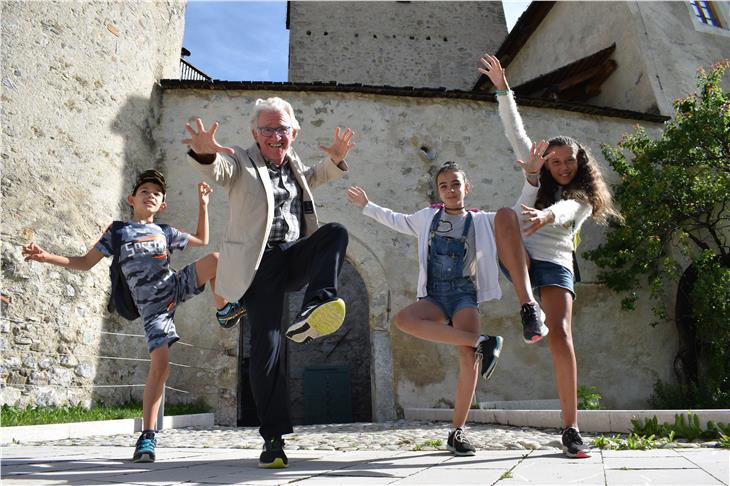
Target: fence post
(161, 410)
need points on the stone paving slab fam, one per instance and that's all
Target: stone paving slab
(716, 462)
(663, 477)
(64, 465)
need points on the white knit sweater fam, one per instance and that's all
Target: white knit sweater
(552, 242)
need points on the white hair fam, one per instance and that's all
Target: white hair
(273, 104)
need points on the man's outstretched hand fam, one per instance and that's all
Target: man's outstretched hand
(203, 142)
(340, 145)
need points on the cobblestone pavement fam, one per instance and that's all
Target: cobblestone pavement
(397, 435)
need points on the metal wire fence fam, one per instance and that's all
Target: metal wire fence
(120, 362)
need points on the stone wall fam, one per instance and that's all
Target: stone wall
(421, 44)
(390, 162)
(79, 104)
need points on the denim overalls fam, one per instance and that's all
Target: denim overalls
(447, 286)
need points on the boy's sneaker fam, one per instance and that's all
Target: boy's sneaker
(533, 322)
(144, 451)
(573, 444)
(487, 353)
(317, 320)
(230, 314)
(273, 456)
(459, 444)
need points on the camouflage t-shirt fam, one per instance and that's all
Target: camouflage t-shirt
(145, 263)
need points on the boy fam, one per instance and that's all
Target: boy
(155, 287)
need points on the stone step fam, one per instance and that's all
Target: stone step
(604, 421)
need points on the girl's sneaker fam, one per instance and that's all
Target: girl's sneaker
(459, 444)
(487, 353)
(144, 451)
(230, 314)
(573, 444)
(533, 323)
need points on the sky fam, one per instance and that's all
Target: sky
(248, 41)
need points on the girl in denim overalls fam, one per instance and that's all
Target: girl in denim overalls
(457, 270)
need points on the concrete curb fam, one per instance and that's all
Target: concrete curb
(37, 433)
(617, 421)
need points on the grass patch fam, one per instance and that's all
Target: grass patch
(13, 416)
(435, 443)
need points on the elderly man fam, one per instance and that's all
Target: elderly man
(273, 244)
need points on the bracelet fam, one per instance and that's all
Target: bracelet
(532, 174)
(499, 92)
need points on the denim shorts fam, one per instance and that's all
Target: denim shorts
(547, 274)
(452, 295)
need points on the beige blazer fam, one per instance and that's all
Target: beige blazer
(245, 176)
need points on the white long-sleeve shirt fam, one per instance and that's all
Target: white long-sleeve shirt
(419, 224)
(553, 242)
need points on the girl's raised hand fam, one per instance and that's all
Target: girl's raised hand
(203, 142)
(538, 157)
(204, 191)
(356, 195)
(536, 219)
(494, 71)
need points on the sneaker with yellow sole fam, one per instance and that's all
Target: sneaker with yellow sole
(273, 456)
(317, 320)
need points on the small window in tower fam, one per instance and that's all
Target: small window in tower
(705, 13)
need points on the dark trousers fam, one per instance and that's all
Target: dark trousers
(315, 260)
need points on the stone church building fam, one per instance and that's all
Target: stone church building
(92, 94)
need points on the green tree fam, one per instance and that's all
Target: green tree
(674, 193)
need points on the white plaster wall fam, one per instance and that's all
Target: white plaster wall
(78, 107)
(387, 162)
(677, 45)
(573, 30)
(659, 47)
(420, 44)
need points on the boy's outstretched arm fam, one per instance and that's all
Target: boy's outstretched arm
(200, 238)
(33, 252)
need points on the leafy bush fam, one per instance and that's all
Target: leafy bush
(589, 398)
(674, 193)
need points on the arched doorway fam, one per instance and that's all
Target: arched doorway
(329, 379)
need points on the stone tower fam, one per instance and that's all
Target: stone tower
(419, 44)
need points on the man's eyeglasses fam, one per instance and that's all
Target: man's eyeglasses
(268, 131)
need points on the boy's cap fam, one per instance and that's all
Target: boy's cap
(150, 175)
